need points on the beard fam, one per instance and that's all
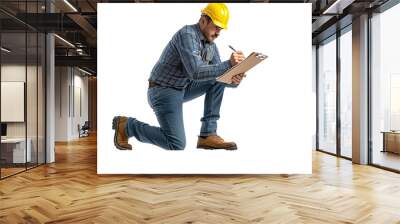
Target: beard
(213, 37)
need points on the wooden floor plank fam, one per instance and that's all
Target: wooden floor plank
(70, 191)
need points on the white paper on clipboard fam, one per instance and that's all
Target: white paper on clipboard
(252, 60)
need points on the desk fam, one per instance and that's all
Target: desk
(391, 141)
(15, 148)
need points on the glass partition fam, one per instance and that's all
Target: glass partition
(41, 91)
(14, 153)
(327, 95)
(385, 89)
(32, 95)
(346, 93)
(22, 63)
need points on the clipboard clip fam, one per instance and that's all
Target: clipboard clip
(261, 56)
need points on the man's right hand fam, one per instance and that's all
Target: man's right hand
(236, 57)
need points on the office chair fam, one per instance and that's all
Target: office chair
(84, 130)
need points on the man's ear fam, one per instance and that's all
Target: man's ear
(202, 21)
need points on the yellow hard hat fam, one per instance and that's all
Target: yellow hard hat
(219, 14)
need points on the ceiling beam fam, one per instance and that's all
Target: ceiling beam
(84, 24)
(337, 6)
(85, 61)
(75, 15)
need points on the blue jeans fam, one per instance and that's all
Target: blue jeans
(167, 105)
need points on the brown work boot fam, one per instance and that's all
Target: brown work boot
(120, 137)
(215, 142)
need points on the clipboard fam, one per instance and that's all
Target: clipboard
(252, 60)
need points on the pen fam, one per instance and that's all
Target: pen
(232, 48)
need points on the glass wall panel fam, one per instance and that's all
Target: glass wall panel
(41, 98)
(13, 94)
(22, 88)
(32, 86)
(385, 87)
(327, 96)
(32, 73)
(346, 94)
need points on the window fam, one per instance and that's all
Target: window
(385, 88)
(346, 92)
(327, 96)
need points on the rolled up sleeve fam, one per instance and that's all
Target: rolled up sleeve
(216, 60)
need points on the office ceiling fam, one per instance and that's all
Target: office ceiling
(76, 22)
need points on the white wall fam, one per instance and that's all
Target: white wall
(14, 73)
(70, 83)
(80, 102)
(61, 103)
(275, 97)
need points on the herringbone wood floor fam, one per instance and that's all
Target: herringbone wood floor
(70, 191)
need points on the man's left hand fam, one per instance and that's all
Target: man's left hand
(236, 79)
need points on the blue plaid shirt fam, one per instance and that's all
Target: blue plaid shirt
(188, 56)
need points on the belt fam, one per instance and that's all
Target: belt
(154, 84)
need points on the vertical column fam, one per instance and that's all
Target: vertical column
(360, 90)
(50, 92)
(338, 98)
